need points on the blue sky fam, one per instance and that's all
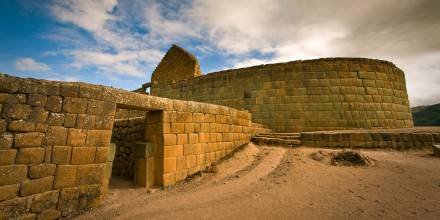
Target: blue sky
(120, 42)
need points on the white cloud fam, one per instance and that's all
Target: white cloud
(28, 64)
(129, 35)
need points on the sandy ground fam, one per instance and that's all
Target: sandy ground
(263, 182)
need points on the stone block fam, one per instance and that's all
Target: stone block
(45, 200)
(61, 154)
(9, 191)
(173, 151)
(31, 139)
(56, 119)
(14, 208)
(21, 125)
(70, 120)
(2, 124)
(30, 155)
(16, 111)
(30, 187)
(191, 161)
(69, 90)
(54, 103)
(168, 179)
(12, 174)
(182, 139)
(89, 196)
(56, 135)
(90, 174)
(111, 152)
(6, 141)
(189, 127)
(98, 138)
(65, 176)
(68, 201)
(39, 114)
(109, 108)
(75, 105)
(90, 92)
(17, 98)
(436, 150)
(169, 139)
(7, 157)
(38, 100)
(192, 149)
(193, 138)
(101, 154)
(177, 128)
(95, 107)
(169, 164)
(49, 214)
(104, 122)
(181, 175)
(41, 170)
(40, 127)
(76, 137)
(83, 155)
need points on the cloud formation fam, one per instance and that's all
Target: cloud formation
(30, 65)
(128, 38)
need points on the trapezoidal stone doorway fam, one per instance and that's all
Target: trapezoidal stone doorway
(132, 149)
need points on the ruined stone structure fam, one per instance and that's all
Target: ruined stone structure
(61, 142)
(55, 143)
(310, 95)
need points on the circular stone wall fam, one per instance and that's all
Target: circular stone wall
(311, 95)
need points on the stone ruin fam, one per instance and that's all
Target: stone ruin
(61, 142)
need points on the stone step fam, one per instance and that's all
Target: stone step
(278, 141)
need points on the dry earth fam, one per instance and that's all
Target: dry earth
(263, 182)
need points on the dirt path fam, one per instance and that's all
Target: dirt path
(272, 182)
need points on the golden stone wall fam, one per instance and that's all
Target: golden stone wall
(311, 95)
(55, 149)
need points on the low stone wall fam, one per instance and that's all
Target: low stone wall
(401, 139)
(125, 133)
(55, 143)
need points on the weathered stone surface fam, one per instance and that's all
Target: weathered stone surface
(22, 125)
(69, 90)
(70, 120)
(6, 141)
(54, 103)
(55, 119)
(436, 150)
(101, 154)
(14, 208)
(40, 127)
(76, 137)
(2, 124)
(90, 92)
(49, 214)
(16, 111)
(109, 108)
(169, 139)
(41, 170)
(45, 200)
(75, 105)
(95, 107)
(61, 154)
(56, 135)
(68, 201)
(30, 155)
(37, 100)
(30, 139)
(39, 114)
(89, 196)
(30, 187)
(83, 155)
(65, 176)
(90, 174)
(9, 191)
(7, 157)
(99, 138)
(104, 122)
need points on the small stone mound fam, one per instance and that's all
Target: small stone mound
(342, 158)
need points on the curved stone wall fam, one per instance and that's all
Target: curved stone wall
(311, 95)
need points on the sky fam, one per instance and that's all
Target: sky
(120, 42)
